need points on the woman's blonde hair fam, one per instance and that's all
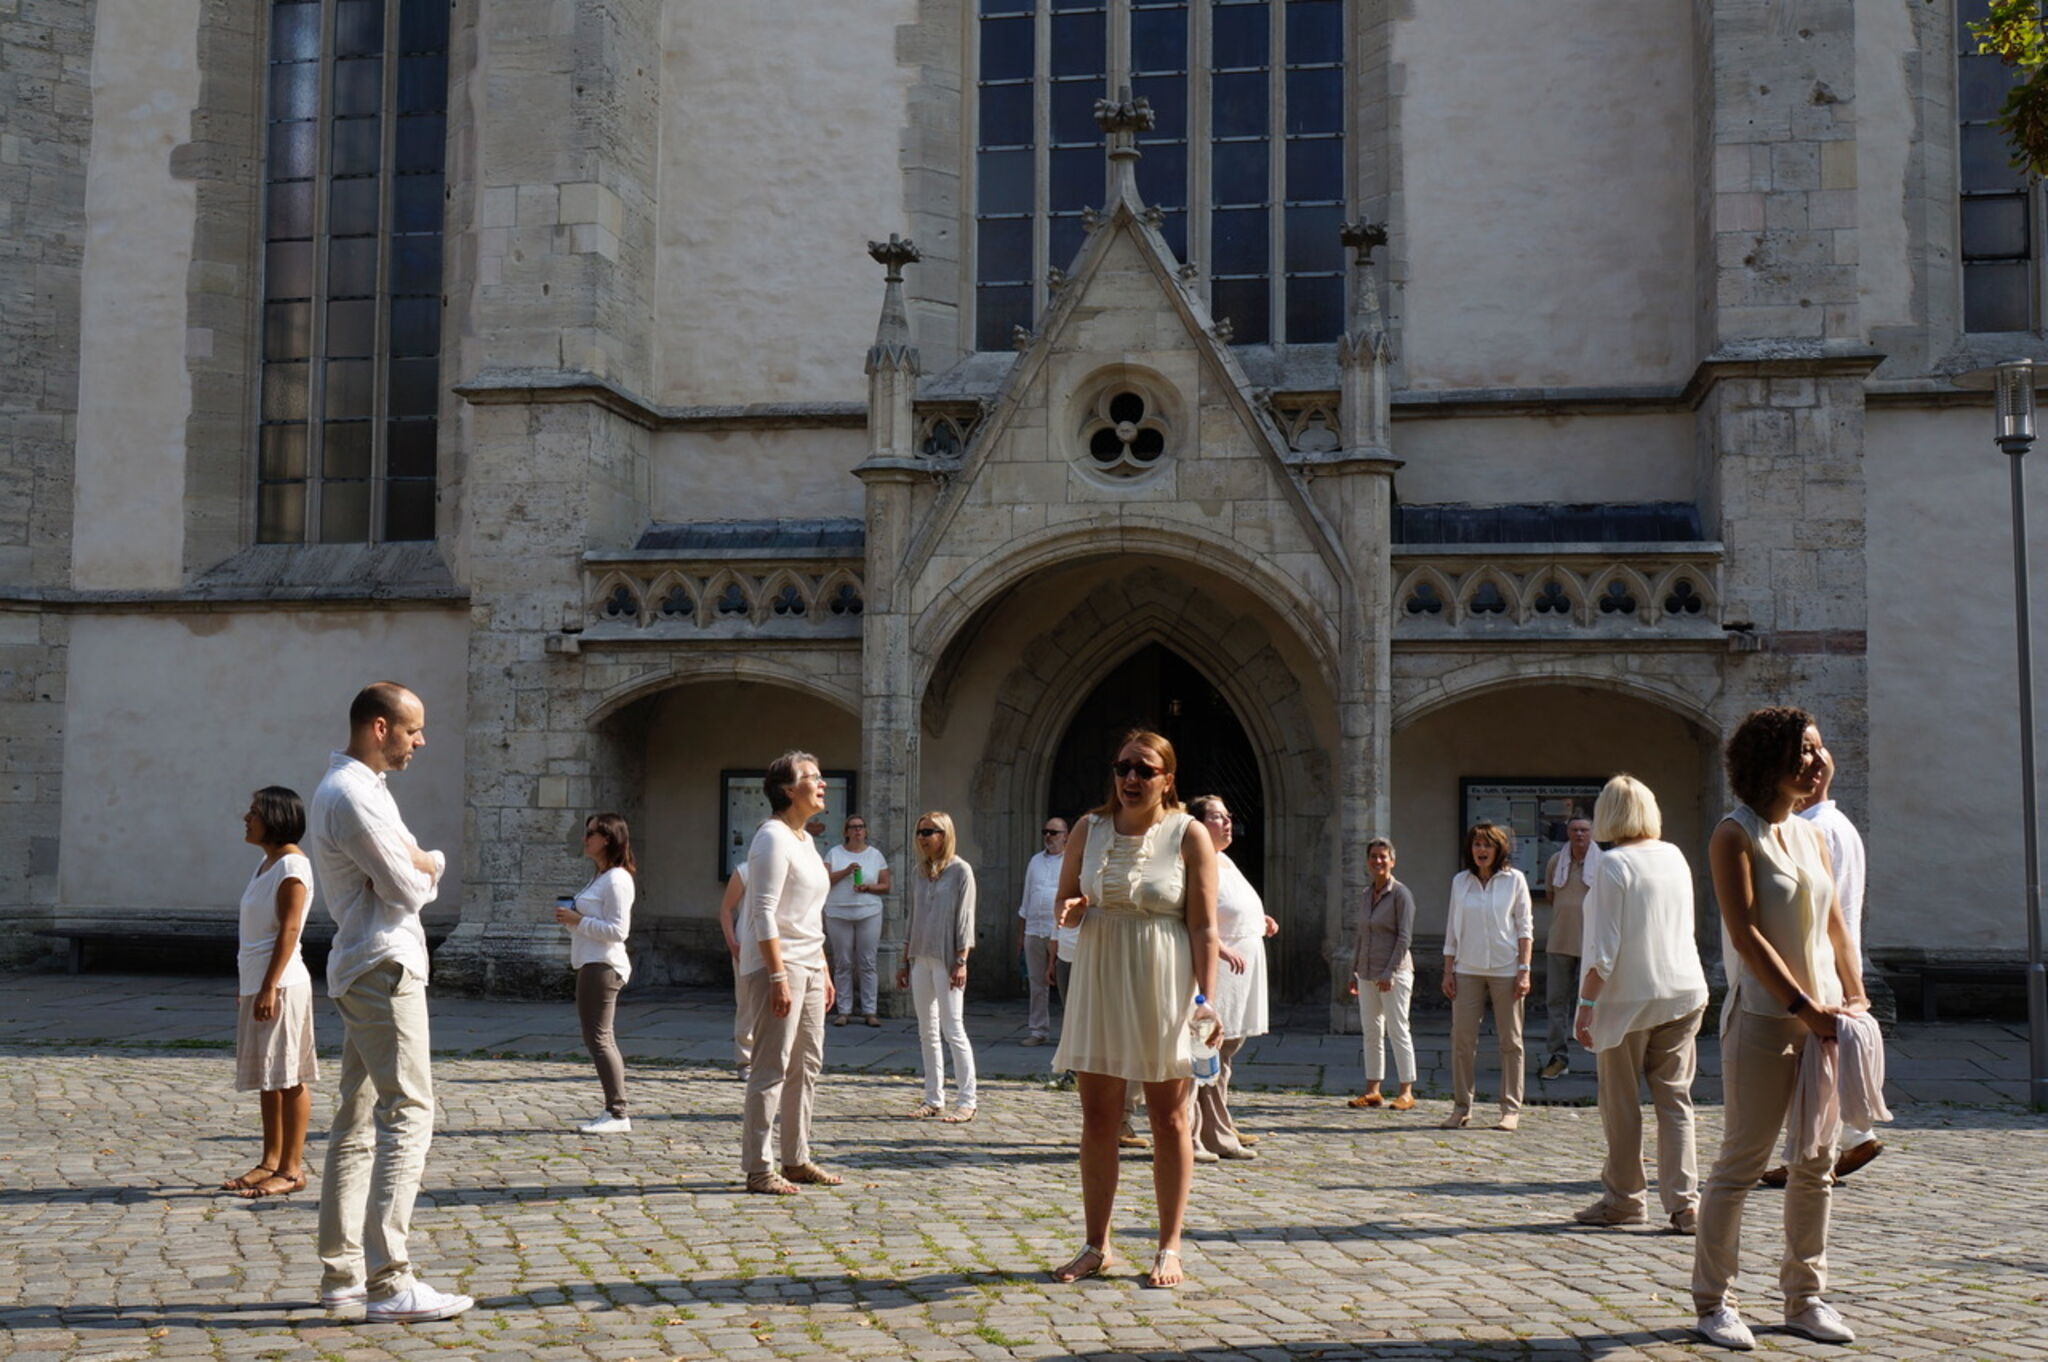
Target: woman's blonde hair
(948, 847)
(1626, 810)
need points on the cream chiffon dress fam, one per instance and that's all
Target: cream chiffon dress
(1134, 973)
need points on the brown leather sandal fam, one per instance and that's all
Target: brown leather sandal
(811, 1174)
(244, 1182)
(264, 1188)
(771, 1184)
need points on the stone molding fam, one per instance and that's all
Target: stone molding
(666, 600)
(1687, 684)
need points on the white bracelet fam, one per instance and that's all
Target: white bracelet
(779, 977)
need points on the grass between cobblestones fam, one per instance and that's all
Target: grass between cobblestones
(1353, 1235)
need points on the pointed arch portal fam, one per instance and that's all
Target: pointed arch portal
(1156, 688)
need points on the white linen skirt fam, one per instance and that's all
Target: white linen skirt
(276, 1054)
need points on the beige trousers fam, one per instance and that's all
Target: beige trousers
(747, 993)
(788, 1053)
(1759, 1071)
(1474, 990)
(383, 1123)
(1666, 1057)
(1214, 1129)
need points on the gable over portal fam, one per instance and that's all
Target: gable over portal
(1125, 421)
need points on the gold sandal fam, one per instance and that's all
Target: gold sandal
(771, 1184)
(1074, 1271)
(811, 1174)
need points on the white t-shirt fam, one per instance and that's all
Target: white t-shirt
(845, 902)
(259, 923)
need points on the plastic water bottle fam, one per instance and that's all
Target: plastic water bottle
(856, 874)
(1203, 1062)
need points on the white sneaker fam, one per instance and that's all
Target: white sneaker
(1819, 1322)
(607, 1125)
(417, 1306)
(346, 1295)
(1723, 1327)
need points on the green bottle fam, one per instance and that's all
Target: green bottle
(856, 874)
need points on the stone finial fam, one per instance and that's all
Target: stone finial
(1055, 279)
(1091, 219)
(1021, 338)
(1223, 329)
(1122, 119)
(1363, 237)
(892, 349)
(899, 251)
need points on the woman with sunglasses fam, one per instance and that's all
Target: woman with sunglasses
(1140, 879)
(934, 966)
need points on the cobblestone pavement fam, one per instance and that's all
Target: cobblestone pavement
(1354, 1234)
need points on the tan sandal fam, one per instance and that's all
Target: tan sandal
(811, 1174)
(959, 1116)
(1159, 1269)
(1365, 1099)
(771, 1184)
(1081, 1265)
(924, 1110)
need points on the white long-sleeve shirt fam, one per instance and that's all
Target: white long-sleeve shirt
(1639, 935)
(1487, 922)
(786, 889)
(1041, 887)
(600, 938)
(362, 861)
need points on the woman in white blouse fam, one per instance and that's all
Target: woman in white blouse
(1487, 938)
(1641, 996)
(598, 926)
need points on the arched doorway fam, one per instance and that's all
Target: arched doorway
(1157, 688)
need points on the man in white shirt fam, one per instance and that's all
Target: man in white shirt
(1041, 883)
(376, 879)
(1570, 876)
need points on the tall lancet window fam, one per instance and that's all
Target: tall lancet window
(1246, 160)
(356, 111)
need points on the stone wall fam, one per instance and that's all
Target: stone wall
(45, 132)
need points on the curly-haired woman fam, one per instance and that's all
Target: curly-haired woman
(1791, 974)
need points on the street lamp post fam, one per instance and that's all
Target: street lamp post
(2014, 389)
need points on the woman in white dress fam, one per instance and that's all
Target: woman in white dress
(1242, 927)
(274, 1019)
(1140, 879)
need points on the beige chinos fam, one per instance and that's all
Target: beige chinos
(789, 1052)
(1666, 1057)
(383, 1123)
(1759, 1072)
(1466, 1009)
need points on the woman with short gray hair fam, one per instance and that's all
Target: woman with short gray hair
(785, 915)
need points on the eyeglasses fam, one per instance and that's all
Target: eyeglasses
(1053, 832)
(927, 832)
(856, 827)
(1126, 769)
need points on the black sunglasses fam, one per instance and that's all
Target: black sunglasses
(1051, 832)
(1139, 769)
(927, 832)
